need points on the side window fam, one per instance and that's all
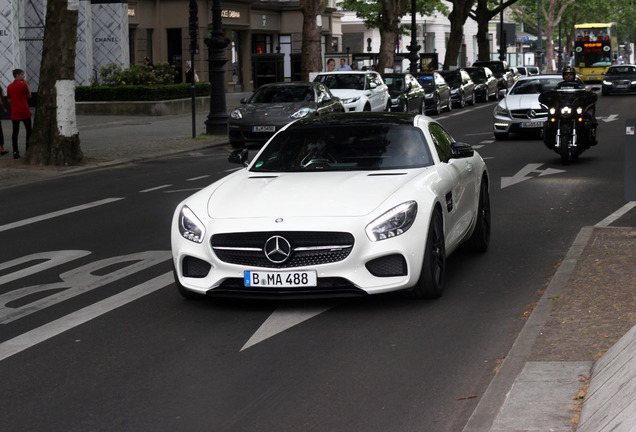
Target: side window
(442, 141)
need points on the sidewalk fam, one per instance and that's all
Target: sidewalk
(541, 384)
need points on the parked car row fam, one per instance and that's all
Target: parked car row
(272, 106)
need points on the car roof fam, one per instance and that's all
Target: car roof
(347, 72)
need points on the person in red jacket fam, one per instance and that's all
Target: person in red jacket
(19, 94)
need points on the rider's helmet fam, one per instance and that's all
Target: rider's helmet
(568, 73)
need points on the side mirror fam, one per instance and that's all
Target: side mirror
(503, 93)
(461, 150)
(373, 85)
(244, 100)
(239, 156)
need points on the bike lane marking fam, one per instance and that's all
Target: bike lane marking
(81, 316)
(55, 214)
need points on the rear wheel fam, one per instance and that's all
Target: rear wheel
(431, 282)
(480, 238)
(472, 100)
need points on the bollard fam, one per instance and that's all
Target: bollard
(630, 160)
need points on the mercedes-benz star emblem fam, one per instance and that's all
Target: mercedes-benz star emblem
(532, 114)
(277, 249)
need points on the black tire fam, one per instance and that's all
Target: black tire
(449, 107)
(480, 238)
(423, 107)
(473, 100)
(437, 106)
(564, 150)
(404, 107)
(430, 285)
(462, 101)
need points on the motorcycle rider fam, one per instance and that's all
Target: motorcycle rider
(570, 81)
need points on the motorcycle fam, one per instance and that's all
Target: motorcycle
(571, 126)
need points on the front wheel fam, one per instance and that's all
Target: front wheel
(564, 150)
(431, 282)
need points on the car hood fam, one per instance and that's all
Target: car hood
(624, 77)
(525, 101)
(326, 194)
(347, 93)
(274, 109)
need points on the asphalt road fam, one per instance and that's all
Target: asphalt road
(93, 335)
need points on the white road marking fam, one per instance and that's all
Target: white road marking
(197, 178)
(477, 146)
(155, 188)
(521, 175)
(284, 318)
(184, 190)
(54, 328)
(57, 213)
(616, 215)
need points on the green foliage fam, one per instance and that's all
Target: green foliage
(371, 12)
(115, 75)
(139, 92)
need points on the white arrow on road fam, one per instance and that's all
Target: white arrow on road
(286, 317)
(522, 175)
(610, 118)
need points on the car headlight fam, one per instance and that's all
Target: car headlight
(395, 101)
(501, 111)
(393, 223)
(480, 86)
(303, 112)
(190, 226)
(236, 114)
(351, 100)
(605, 82)
(428, 96)
(566, 110)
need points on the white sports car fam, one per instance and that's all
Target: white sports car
(339, 205)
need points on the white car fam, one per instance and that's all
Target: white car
(520, 111)
(338, 205)
(359, 91)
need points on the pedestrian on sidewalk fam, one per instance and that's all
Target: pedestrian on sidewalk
(19, 94)
(4, 110)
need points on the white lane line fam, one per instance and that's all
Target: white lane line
(57, 213)
(155, 188)
(284, 318)
(616, 215)
(184, 190)
(198, 178)
(54, 328)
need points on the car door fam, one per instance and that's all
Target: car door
(443, 89)
(416, 94)
(461, 186)
(378, 91)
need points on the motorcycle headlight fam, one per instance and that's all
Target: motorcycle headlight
(552, 111)
(303, 112)
(566, 110)
(393, 223)
(236, 114)
(579, 110)
(190, 226)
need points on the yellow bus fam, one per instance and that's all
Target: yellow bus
(595, 49)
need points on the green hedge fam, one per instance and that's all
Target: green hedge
(139, 92)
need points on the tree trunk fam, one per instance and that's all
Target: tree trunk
(483, 16)
(55, 138)
(457, 18)
(388, 34)
(310, 57)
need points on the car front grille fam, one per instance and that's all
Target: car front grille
(528, 114)
(297, 248)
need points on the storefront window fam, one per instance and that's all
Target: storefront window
(262, 43)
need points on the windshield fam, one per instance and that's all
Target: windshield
(345, 148)
(278, 94)
(453, 79)
(426, 81)
(621, 70)
(532, 86)
(343, 81)
(394, 83)
(477, 75)
(495, 67)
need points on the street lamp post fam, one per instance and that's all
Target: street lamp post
(502, 39)
(539, 37)
(216, 122)
(413, 47)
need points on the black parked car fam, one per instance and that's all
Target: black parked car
(619, 79)
(486, 86)
(502, 72)
(407, 95)
(438, 93)
(462, 87)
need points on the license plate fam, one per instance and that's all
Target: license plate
(280, 279)
(263, 128)
(532, 125)
(622, 86)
